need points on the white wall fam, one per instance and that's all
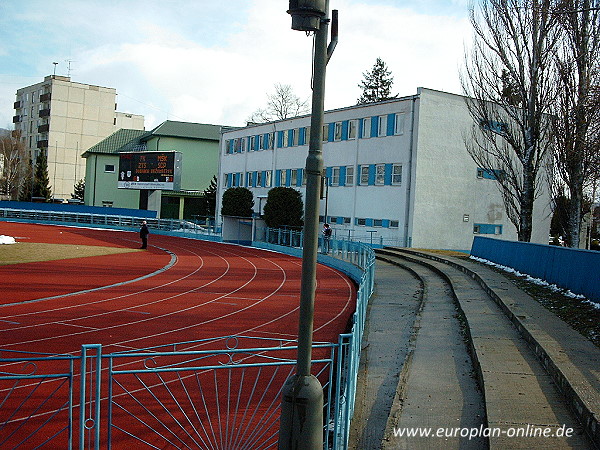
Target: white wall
(440, 197)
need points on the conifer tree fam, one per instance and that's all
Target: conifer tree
(79, 190)
(210, 196)
(377, 84)
(41, 180)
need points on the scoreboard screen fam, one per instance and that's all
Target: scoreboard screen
(150, 170)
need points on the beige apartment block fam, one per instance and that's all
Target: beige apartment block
(63, 119)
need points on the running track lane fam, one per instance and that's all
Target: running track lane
(179, 290)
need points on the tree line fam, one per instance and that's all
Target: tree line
(532, 83)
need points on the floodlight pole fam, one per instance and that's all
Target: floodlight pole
(301, 422)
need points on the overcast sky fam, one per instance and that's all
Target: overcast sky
(214, 61)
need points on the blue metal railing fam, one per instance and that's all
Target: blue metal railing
(27, 378)
(357, 260)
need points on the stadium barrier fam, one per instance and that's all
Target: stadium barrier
(568, 268)
(214, 393)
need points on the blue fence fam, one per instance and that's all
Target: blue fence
(78, 209)
(215, 393)
(572, 269)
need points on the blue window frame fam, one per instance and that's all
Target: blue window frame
(487, 228)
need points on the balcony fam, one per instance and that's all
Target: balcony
(44, 112)
(45, 97)
(44, 128)
(17, 105)
(42, 144)
(16, 119)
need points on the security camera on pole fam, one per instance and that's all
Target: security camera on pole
(301, 423)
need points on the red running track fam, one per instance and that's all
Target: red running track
(178, 290)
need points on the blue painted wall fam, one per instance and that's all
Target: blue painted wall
(573, 269)
(82, 209)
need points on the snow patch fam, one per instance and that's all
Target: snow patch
(7, 239)
(537, 281)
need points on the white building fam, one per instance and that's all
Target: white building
(63, 119)
(397, 172)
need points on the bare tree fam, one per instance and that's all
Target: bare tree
(14, 163)
(281, 105)
(577, 109)
(508, 83)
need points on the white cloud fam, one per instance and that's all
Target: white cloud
(188, 63)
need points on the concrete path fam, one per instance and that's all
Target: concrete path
(392, 314)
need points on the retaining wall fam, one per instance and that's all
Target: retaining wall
(573, 269)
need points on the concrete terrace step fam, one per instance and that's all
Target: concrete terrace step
(518, 392)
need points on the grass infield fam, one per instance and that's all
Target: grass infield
(26, 252)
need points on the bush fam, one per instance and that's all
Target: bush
(237, 202)
(284, 207)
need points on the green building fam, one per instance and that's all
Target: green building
(198, 145)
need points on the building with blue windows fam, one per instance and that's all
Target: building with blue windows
(396, 172)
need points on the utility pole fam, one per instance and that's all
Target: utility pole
(301, 422)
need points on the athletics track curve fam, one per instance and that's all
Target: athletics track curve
(178, 290)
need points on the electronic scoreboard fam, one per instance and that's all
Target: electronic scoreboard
(150, 170)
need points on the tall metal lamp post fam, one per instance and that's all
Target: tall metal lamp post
(301, 423)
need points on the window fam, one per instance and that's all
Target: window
(295, 135)
(249, 179)
(494, 126)
(335, 176)
(366, 129)
(487, 228)
(259, 179)
(361, 222)
(394, 223)
(380, 174)
(282, 177)
(349, 175)
(364, 175)
(304, 178)
(381, 125)
(307, 136)
(352, 126)
(294, 177)
(377, 222)
(325, 132)
(346, 220)
(109, 168)
(268, 178)
(271, 141)
(338, 132)
(399, 125)
(285, 138)
(251, 144)
(107, 204)
(490, 174)
(396, 174)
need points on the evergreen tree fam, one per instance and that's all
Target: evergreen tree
(210, 195)
(237, 201)
(79, 190)
(41, 180)
(284, 207)
(377, 84)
